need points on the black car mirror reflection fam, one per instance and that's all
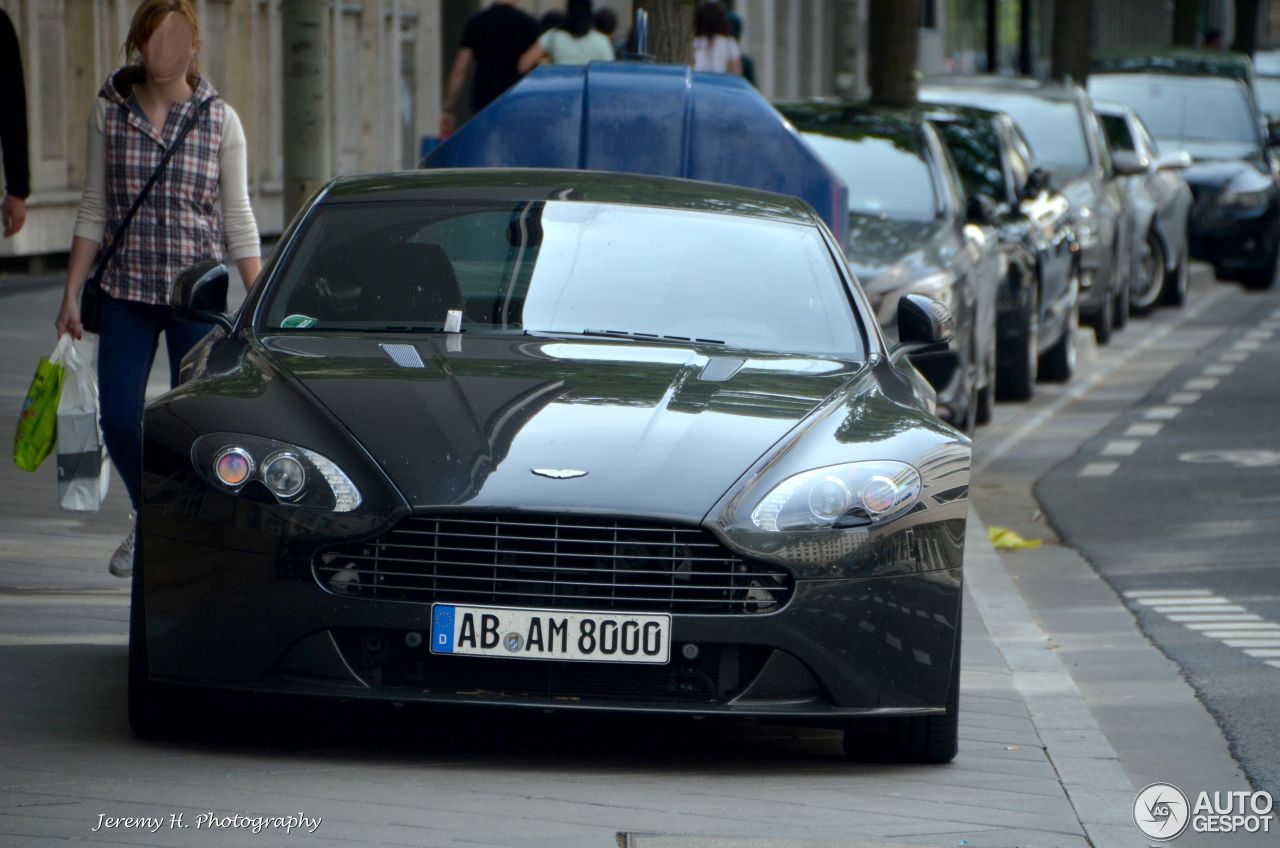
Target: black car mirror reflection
(200, 294)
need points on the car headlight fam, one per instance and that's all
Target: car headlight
(293, 475)
(855, 494)
(1254, 199)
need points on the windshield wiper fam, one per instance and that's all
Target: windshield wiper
(627, 334)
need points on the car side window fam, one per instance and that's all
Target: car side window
(1099, 140)
(1117, 131)
(1018, 153)
(1146, 144)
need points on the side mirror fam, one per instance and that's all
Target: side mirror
(980, 210)
(200, 294)
(1126, 163)
(923, 323)
(1175, 160)
(1037, 181)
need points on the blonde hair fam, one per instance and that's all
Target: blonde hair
(147, 19)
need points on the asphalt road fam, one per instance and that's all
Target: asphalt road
(1176, 503)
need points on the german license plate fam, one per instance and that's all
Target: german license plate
(550, 634)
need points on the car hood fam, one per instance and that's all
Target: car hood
(1220, 171)
(888, 254)
(660, 430)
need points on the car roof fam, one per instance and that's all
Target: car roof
(1173, 80)
(939, 86)
(502, 185)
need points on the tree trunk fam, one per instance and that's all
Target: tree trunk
(670, 29)
(1186, 21)
(305, 51)
(1246, 40)
(893, 44)
(1072, 39)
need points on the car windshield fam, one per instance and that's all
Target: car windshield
(1269, 94)
(1195, 112)
(1055, 131)
(887, 177)
(566, 267)
(976, 151)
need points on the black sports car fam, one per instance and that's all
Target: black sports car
(1037, 311)
(560, 440)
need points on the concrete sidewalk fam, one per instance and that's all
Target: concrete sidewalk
(1033, 770)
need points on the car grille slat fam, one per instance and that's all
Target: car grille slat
(548, 562)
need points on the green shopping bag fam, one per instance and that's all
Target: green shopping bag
(38, 422)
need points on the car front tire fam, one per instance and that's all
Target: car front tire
(1175, 282)
(1019, 359)
(1147, 296)
(1059, 362)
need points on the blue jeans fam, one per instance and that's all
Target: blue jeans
(127, 341)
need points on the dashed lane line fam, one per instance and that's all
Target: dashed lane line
(1146, 428)
(1121, 447)
(1214, 617)
(1201, 384)
(1099, 469)
(1184, 398)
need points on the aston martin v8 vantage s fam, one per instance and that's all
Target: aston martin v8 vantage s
(560, 440)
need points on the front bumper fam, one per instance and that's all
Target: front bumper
(259, 621)
(1234, 240)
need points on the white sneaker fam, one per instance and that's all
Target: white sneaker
(122, 560)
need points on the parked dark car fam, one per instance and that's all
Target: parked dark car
(911, 232)
(1160, 200)
(1235, 212)
(1038, 301)
(556, 440)
(1066, 138)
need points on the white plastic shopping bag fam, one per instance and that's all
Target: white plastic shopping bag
(83, 470)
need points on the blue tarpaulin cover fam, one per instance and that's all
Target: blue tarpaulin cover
(663, 120)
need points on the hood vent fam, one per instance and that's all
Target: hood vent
(404, 355)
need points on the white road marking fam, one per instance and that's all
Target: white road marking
(1218, 370)
(1099, 469)
(1240, 627)
(1121, 447)
(1164, 593)
(923, 658)
(1252, 643)
(1260, 335)
(1201, 384)
(1148, 429)
(1226, 616)
(1274, 663)
(1233, 356)
(1247, 344)
(1162, 413)
(1256, 458)
(1184, 599)
(1263, 652)
(1184, 398)
(64, 599)
(15, 640)
(893, 641)
(1205, 608)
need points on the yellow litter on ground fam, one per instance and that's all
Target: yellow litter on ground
(1004, 539)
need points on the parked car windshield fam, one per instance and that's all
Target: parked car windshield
(887, 178)
(1117, 130)
(567, 267)
(1053, 127)
(1192, 110)
(975, 148)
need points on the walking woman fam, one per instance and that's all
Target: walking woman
(577, 43)
(199, 202)
(714, 47)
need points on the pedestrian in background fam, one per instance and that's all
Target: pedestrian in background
(748, 64)
(606, 23)
(493, 41)
(714, 47)
(578, 43)
(201, 202)
(13, 130)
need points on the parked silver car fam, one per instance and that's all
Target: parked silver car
(1159, 201)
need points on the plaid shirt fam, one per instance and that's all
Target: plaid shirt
(180, 223)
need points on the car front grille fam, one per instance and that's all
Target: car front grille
(553, 561)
